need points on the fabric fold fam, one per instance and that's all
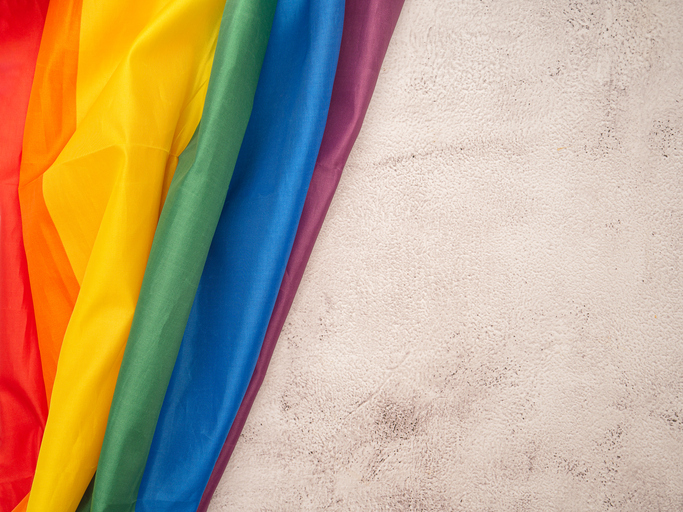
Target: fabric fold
(50, 122)
(23, 403)
(181, 243)
(248, 254)
(142, 69)
(368, 26)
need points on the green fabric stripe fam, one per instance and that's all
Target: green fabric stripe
(181, 243)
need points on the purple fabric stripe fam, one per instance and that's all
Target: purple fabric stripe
(368, 25)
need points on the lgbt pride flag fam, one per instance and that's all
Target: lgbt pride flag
(166, 167)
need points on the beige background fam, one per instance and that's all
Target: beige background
(493, 314)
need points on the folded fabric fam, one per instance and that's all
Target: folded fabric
(248, 254)
(181, 243)
(368, 25)
(142, 72)
(23, 405)
(50, 122)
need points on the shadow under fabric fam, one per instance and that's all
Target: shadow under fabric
(140, 86)
(248, 254)
(181, 243)
(368, 26)
(23, 404)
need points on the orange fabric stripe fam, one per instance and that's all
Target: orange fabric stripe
(50, 122)
(21, 507)
(53, 284)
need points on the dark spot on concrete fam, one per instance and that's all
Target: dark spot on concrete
(418, 500)
(613, 438)
(576, 468)
(665, 137)
(674, 419)
(396, 420)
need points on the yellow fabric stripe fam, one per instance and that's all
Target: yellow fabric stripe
(139, 102)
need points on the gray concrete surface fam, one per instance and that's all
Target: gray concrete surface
(492, 319)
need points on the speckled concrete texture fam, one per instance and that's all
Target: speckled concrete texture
(492, 318)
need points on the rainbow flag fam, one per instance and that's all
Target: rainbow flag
(165, 171)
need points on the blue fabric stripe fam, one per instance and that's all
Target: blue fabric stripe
(248, 254)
